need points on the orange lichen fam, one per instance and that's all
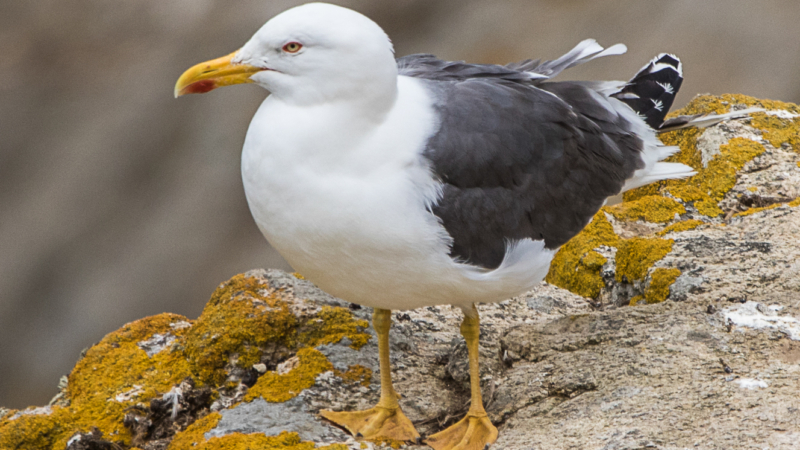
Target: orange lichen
(651, 208)
(681, 226)
(576, 266)
(273, 387)
(660, 281)
(635, 256)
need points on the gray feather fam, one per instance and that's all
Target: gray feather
(517, 159)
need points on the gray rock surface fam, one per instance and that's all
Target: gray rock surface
(271, 419)
(706, 373)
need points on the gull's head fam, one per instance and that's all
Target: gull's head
(308, 54)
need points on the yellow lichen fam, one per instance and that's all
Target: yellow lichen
(652, 208)
(239, 321)
(752, 189)
(298, 275)
(635, 256)
(793, 203)
(194, 434)
(38, 431)
(636, 300)
(193, 438)
(681, 226)
(686, 140)
(242, 319)
(356, 374)
(386, 442)
(116, 365)
(240, 441)
(757, 210)
(334, 324)
(660, 281)
(715, 180)
(720, 175)
(273, 387)
(778, 131)
(576, 266)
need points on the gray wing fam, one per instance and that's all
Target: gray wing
(519, 158)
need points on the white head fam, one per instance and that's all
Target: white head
(311, 54)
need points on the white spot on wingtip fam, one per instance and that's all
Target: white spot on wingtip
(657, 104)
(667, 87)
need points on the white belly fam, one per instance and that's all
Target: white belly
(350, 214)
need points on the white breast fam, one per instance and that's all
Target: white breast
(346, 205)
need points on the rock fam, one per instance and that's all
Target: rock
(707, 356)
(681, 238)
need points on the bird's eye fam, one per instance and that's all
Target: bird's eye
(292, 47)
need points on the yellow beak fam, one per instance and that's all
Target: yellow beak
(210, 75)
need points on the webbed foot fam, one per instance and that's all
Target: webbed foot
(473, 432)
(374, 423)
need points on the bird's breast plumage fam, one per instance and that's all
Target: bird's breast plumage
(349, 214)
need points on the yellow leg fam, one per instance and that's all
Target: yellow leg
(475, 431)
(385, 420)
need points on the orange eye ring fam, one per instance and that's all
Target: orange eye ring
(292, 47)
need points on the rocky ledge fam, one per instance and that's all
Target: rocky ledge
(670, 322)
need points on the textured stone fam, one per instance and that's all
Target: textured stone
(272, 419)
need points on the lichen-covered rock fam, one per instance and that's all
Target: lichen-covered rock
(636, 251)
(157, 376)
(707, 357)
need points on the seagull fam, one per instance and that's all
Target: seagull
(403, 183)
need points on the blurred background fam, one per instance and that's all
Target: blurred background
(118, 201)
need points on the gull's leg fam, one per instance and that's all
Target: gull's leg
(475, 431)
(385, 420)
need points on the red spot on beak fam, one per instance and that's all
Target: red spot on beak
(200, 87)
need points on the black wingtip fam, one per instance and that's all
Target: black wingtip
(652, 90)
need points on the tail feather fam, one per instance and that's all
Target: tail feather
(653, 89)
(660, 171)
(584, 52)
